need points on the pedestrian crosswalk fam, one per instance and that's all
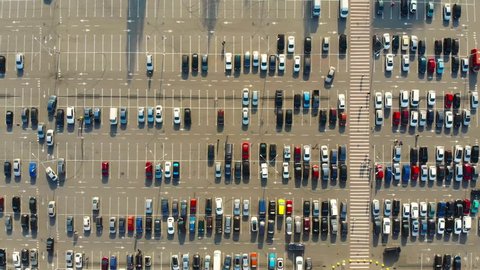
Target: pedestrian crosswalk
(359, 132)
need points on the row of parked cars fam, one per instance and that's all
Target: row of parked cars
(447, 263)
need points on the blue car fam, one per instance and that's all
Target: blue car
(440, 66)
(32, 169)
(405, 173)
(52, 104)
(306, 100)
(123, 116)
(113, 262)
(271, 261)
(150, 115)
(191, 226)
(388, 174)
(158, 171)
(139, 225)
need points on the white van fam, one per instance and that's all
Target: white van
(343, 8)
(415, 98)
(113, 116)
(333, 208)
(316, 8)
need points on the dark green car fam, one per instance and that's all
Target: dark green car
(422, 65)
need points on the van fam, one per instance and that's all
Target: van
(316, 8)
(113, 116)
(415, 97)
(343, 8)
(333, 208)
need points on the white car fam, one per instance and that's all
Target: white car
(375, 208)
(378, 117)
(264, 171)
(447, 12)
(16, 259)
(245, 118)
(330, 75)
(448, 119)
(396, 171)
(70, 115)
(113, 225)
(51, 174)
(388, 100)
(406, 210)
(95, 204)
(457, 156)
(17, 167)
(413, 118)
(86, 223)
(467, 224)
(299, 262)
(281, 62)
(228, 61)
(467, 116)
(415, 98)
(289, 225)
(287, 152)
(413, 6)
(464, 64)
(326, 44)
(170, 227)
(245, 97)
(404, 98)
(458, 226)
(441, 226)
(386, 226)
(263, 62)
(246, 208)
(423, 209)
(431, 97)
(405, 63)
(149, 63)
(255, 58)
(158, 114)
(49, 138)
(219, 206)
(422, 118)
(168, 169)
(296, 63)
(405, 42)
(389, 62)
(254, 224)
(176, 116)
(378, 100)
(423, 172)
(307, 153)
(467, 154)
(386, 41)
(286, 173)
(387, 207)
(432, 173)
(414, 211)
(413, 43)
(324, 154)
(78, 260)
(341, 101)
(141, 115)
(51, 209)
(474, 100)
(291, 44)
(19, 59)
(69, 258)
(439, 153)
(458, 172)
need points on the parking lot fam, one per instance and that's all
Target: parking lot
(93, 54)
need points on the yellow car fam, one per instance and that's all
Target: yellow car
(281, 207)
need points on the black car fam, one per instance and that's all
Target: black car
(25, 115)
(306, 171)
(278, 98)
(474, 155)
(431, 227)
(332, 116)
(456, 11)
(306, 208)
(455, 46)
(404, 8)
(33, 222)
(448, 157)
(440, 172)
(307, 63)
(238, 169)
(24, 255)
(50, 244)
(455, 64)
(205, 63)
(272, 63)
(246, 169)
(211, 152)
(195, 62)
(185, 63)
(121, 225)
(148, 224)
(297, 101)
(377, 225)
(437, 262)
(457, 262)
(279, 118)
(16, 204)
(421, 47)
(316, 225)
(447, 261)
(32, 204)
(298, 171)
(438, 47)
(237, 64)
(430, 117)
(272, 153)
(457, 119)
(288, 117)
(456, 100)
(280, 43)
(9, 118)
(413, 155)
(405, 228)
(236, 224)
(34, 116)
(343, 172)
(139, 260)
(59, 118)
(449, 209)
(187, 114)
(447, 46)
(396, 207)
(449, 223)
(272, 208)
(342, 43)
(263, 151)
(395, 42)
(196, 262)
(396, 226)
(3, 258)
(423, 154)
(25, 221)
(7, 168)
(307, 45)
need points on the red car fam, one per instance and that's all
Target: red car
(405, 117)
(2, 204)
(415, 172)
(342, 119)
(431, 65)
(289, 204)
(105, 168)
(467, 172)
(245, 151)
(193, 206)
(104, 263)
(130, 224)
(396, 118)
(466, 207)
(306, 224)
(448, 100)
(148, 170)
(379, 172)
(297, 154)
(315, 172)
